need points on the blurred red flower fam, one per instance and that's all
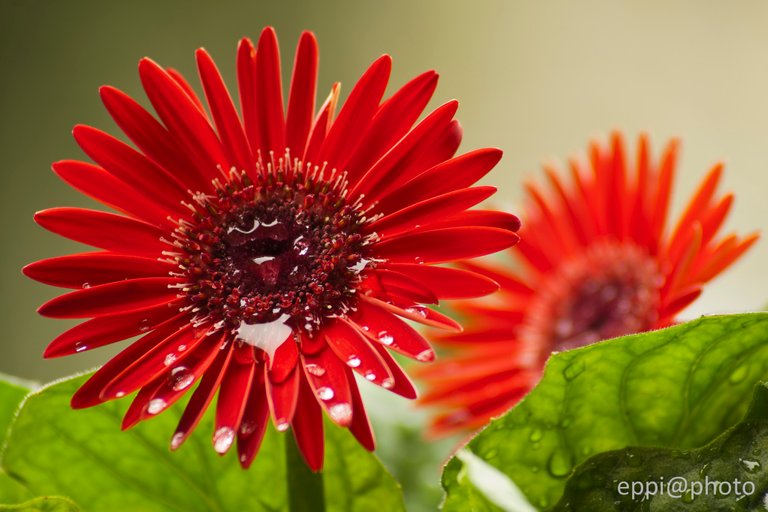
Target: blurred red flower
(597, 260)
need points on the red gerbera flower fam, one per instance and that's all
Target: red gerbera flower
(596, 261)
(268, 256)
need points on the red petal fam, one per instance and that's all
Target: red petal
(416, 312)
(454, 174)
(183, 119)
(269, 95)
(203, 395)
(663, 193)
(282, 396)
(301, 99)
(230, 405)
(107, 329)
(254, 423)
(447, 283)
(131, 167)
(327, 377)
(90, 393)
(485, 218)
(394, 283)
(388, 173)
(187, 88)
(170, 352)
(360, 427)
(308, 426)
(429, 210)
(385, 328)
(122, 296)
(321, 125)
(403, 385)
(154, 140)
(104, 230)
(393, 120)
(224, 114)
(246, 82)
(447, 244)
(356, 114)
(97, 183)
(94, 268)
(352, 347)
(286, 357)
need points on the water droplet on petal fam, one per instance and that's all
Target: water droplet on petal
(353, 361)
(419, 260)
(325, 393)
(388, 383)
(144, 325)
(386, 338)
(222, 439)
(86, 285)
(417, 310)
(370, 376)
(120, 394)
(425, 356)
(156, 405)
(341, 412)
(314, 369)
(181, 378)
(170, 359)
(177, 439)
(267, 336)
(282, 425)
(80, 346)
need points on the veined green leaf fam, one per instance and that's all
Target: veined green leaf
(678, 387)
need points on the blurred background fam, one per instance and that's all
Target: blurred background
(537, 79)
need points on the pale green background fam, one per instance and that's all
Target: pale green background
(537, 79)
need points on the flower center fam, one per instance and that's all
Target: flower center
(611, 290)
(283, 249)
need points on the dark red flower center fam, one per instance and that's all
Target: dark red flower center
(611, 290)
(285, 247)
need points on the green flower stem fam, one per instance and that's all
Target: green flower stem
(305, 487)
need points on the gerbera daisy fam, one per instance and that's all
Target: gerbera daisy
(597, 260)
(269, 255)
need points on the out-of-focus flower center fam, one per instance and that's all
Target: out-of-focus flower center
(284, 250)
(611, 290)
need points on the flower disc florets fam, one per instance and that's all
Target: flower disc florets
(282, 246)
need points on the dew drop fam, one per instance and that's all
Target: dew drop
(386, 338)
(156, 405)
(559, 464)
(80, 346)
(370, 376)
(739, 374)
(120, 394)
(222, 439)
(177, 439)
(325, 393)
(86, 285)
(181, 348)
(282, 425)
(314, 369)
(417, 310)
(247, 428)
(426, 355)
(170, 359)
(536, 435)
(144, 325)
(353, 361)
(574, 369)
(388, 383)
(340, 413)
(419, 260)
(267, 336)
(181, 378)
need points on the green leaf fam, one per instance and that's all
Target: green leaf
(44, 504)
(678, 387)
(731, 473)
(11, 395)
(85, 456)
